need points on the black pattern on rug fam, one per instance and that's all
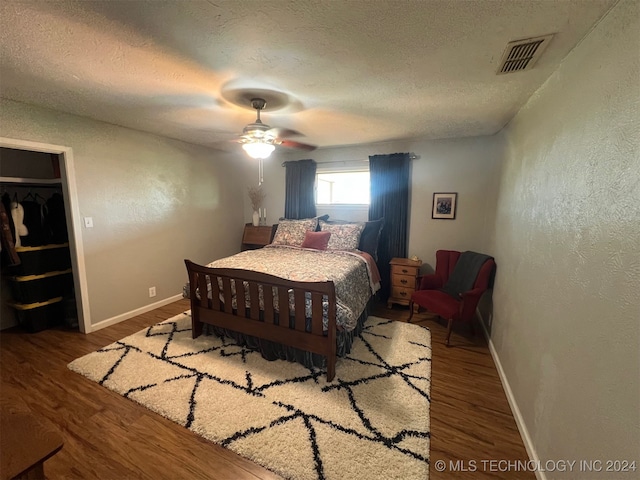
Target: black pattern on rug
(372, 421)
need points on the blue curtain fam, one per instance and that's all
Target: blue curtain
(389, 179)
(300, 180)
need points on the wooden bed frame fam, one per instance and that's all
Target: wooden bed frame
(217, 309)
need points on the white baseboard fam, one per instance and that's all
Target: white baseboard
(133, 313)
(522, 428)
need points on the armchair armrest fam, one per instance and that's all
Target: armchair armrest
(429, 282)
(470, 301)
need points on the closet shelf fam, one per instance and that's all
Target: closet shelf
(32, 182)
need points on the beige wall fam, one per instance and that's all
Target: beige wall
(154, 201)
(567, 242)
(467, 166)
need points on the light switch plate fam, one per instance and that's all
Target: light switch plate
(88, 222)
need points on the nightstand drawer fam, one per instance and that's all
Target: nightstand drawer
(401, 293)
(405, 281)
(404, 270)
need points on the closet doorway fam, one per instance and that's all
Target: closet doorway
(16, 176)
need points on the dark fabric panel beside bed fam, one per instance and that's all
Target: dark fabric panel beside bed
(275, 351)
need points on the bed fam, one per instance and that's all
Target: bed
(327, 291)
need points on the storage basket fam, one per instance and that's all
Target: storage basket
(35, 317)
(42, 259)
(39, 288)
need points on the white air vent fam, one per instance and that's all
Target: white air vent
(522, 54)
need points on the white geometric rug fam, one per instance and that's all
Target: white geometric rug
(370, 422)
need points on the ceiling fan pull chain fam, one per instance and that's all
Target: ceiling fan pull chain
(260, 172)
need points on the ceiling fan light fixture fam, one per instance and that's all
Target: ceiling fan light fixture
(258, 149)
(259, 140)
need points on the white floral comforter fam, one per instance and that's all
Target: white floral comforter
(351, 274)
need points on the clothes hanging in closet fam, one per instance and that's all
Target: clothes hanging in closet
(6, 238)
(6, 201)
(54, 220)
(33, 222)
(17, 217)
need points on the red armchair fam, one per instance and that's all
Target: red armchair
(430, 296)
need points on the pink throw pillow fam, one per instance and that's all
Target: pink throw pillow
(316, 240)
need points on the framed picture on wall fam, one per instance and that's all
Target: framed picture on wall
(444, 205)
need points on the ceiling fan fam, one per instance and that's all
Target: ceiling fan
(259, 139)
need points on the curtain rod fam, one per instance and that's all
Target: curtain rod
(412, 156)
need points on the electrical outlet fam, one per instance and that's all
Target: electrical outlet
(152, 292)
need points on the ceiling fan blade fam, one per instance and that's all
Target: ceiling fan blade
(277, 132)
(298, 145)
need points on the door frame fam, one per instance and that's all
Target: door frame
(74, 220)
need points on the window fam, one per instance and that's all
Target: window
(343, 188)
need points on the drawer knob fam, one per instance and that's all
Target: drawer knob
(403, 281)
(404, 270)
(403, 294)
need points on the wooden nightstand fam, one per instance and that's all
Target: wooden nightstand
(404, 277)
(257, 237)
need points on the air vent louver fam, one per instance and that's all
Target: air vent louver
(522, 54)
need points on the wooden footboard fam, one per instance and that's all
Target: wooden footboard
(264, 321)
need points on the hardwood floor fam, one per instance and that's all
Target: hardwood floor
(109, 437)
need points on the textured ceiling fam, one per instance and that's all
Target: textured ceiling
(347, 72)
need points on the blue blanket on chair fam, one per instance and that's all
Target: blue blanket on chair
(464, 274)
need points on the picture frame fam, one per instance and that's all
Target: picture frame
(444, 205)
